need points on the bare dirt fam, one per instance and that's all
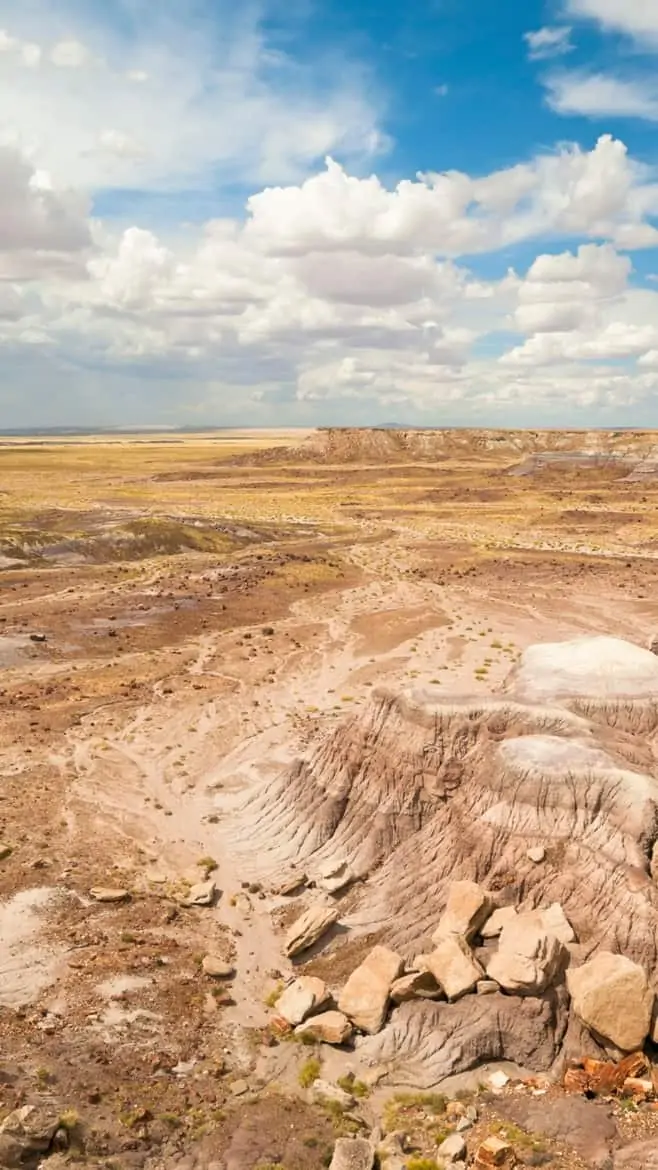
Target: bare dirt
(176, 630)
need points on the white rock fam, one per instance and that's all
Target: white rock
(453, 1149)
(536, 854)
(353, 1154)
(201, 894)
(328, 1027)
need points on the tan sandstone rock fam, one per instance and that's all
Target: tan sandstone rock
(454, 967)
(612, 997)
(415, 985)
(328, 1027)
(467, 910)
(528, 958)
(108, 894)
(217, 967)
(309, 927)
(301, 998)
(364, 998)
(500, 918)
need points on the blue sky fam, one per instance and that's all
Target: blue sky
(480, 246)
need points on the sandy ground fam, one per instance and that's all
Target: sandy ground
(171, 687)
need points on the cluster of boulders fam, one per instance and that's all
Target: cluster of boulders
(478, 948)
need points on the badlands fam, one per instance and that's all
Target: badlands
(329, 800)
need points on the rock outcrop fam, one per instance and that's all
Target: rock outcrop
(612, 997)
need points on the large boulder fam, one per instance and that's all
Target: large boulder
(309, 927)
(466, 912)
(612, 997)
(454, 967)
(364, 998)
(328, 1027)
(528, 958)
(301, 998)
(553, 919)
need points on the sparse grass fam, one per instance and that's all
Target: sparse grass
(208, 864)
(273, 995)
(309, 1072)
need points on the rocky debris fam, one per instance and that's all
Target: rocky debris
(536, 854)
(364, 998)
(200, 894)
(309, 927)
(417, 985)
(589, 1125)
(328, 1027)
(425, 1042)
(611, 995)
(301, 998)
(638, 1156)
(528, 958)
(466, 912)
(453, 1149)
(493, 1151)
(498, 920)
(632, 1077)
(353, 1154)
(454, 967)
(27, 1132)
(216, 967)
(108, 894)
(5, 851)
(327, 1091)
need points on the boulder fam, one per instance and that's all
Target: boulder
(328, 1027)
(536, 854)
(217, 968)
(301, 998)
(454, 967)
(415, 985)
(528, 958)
(553, 919)
(498, 920)
(309, 927)
(108, 894)
(612, 997)
(466, 912)
(364, 998)
(493, 1151)
(27, 1132)
(453, 1149)
(201, 894)
(353, 1154)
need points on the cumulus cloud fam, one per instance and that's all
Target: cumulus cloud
(42, 230)
(636, 18)
(195, 107)
(596, 95)
(547, 42)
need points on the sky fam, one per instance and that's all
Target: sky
(309, 212)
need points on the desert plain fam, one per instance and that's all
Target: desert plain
(245, 674)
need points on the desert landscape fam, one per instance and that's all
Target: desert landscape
(329, 800)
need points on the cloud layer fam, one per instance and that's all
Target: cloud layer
(325, 292)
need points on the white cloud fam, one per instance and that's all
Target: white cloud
(240, 112)
(42, 230)
(69, 54)
(548, 42)
(636, 18)
(599, 95)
